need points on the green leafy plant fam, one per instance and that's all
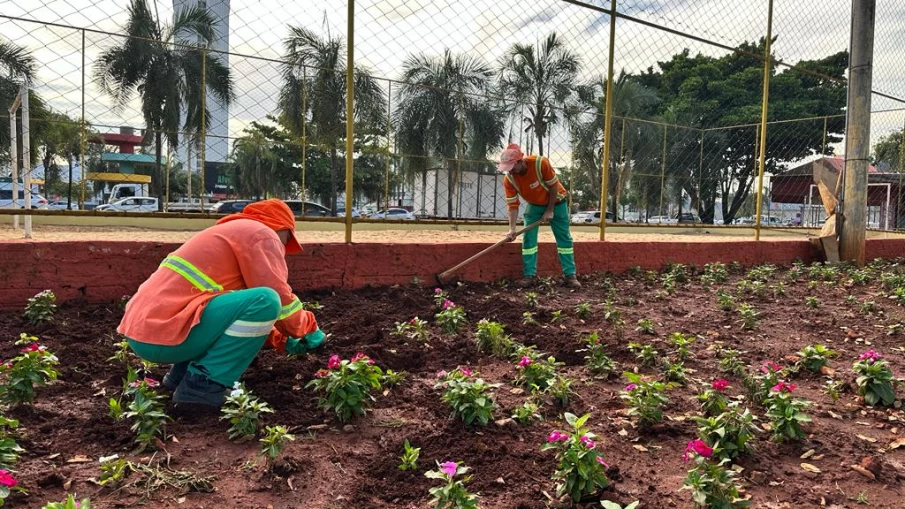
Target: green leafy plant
(41, 307)
(273, 442)
(598, 362)
(531, 299)
(113, 470)
(561, 390)
(715, 273)
(528, 318)
(452, 494)
(312, 306)
(527, 413)
(731, 362)
(491, 338)
(9, 448)
(645, 326)
(471, 399)
(714, 400)
(894, 329)
(124, 301)
(875, 379)
(580, 470)
(729, 433)
(712, 485)
(33, 367)
(606, 504)
(69, 503)
(440, 297)
(415, 328)
(786, 413)
(612, 315)
(451, 318)
(748, 315)
(555, 316)
(674, 371)
(725, 301)
(346, 385)
(645, 398)
(814, 357)
(147, 411)
(243, 410)
(535, 372)
(832, 389)
(115, 409)
(122, 354)
(409, 459)
(759, 386)
(851, 299)
(779, 289)
(812, 302)
(583, 310)
(393, 378)
(682, 342)
(644, 353)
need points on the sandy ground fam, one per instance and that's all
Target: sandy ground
(387, 234)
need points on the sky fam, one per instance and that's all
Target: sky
(388, 31)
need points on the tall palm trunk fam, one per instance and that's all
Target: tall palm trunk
(155, 181)
(624, 176)
(450, 173)
(69, 193)
(333, 190)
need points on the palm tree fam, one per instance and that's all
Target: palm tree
(443, 111)
(16, 65)
(541, 78)
(316, 65)
(631, 101)
(162, 64)
(255, 162)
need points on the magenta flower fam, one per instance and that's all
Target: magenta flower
(449, 468)
(783, 387)
(438, 291)
(697, 447)
(32, 348)
(769, 366)
(630, 387)
(442, 373)
(321, 373)
(334, 362)
(604, 463)
(465, 371)
(448, 304)
(362, 357)
(720, 385)
(525, 362)
(587, 442)
(149, 381)
(557, 436)
(7, 479)
(870, 355)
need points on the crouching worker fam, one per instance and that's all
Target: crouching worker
(214, 302)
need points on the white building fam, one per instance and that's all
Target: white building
(216, 144)
(477, 196)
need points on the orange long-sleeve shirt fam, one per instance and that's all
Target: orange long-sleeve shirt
(235, 255)
(532, 186)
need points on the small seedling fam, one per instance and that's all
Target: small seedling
(725, 301)
(583, 310)
(682, 343)
(528, 318)
(451, 318)
(415, 328)
(812, 302)
(814, 357)
(894, 329)
(556, 316)
(851, 299)
(561, 390)
(394, 378)
(645, 398)
(527, 413)
(243, 410)
(122, 353)
(674, 372)
(274, 441)
(409, 458)
(730, 362)
(114, 470)
(531, 299)
(644, 353)
(492, 338)
(868, 307)
(645, 326)
(41, 307)
(147, 410)
(453, 494)
(779, 289)
(598, 361)
(748, 315)
(69, 503)
(471, 400)
(832, 389)
(312, 306)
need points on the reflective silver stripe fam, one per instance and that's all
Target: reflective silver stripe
(289, 309)
(565, 250)
(246, 329)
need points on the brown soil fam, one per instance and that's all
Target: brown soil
(333, 468)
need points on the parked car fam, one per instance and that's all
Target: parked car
(593, 217)
(341, 212)
(580, 217)
(311, 209)
(688, 217)
(229, 206)
(61, 205)
(393, 214)
(662, 220)
(6, 199)
(141, 204)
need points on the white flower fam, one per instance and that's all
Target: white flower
(235, 393)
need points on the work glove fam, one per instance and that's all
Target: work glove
(308, 342)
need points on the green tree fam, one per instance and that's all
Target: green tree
(162, 64)
(16, 65)
(315, 68)
(444, 113)
(888, 150)
(541, 78)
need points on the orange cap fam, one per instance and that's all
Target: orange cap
(273, 213)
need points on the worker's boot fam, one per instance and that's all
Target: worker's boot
(197, 389)
(572, 282)
(175, 375)
(526, 282)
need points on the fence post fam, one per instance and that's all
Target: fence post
(386, 187)
(166, 179)
(823, 151)
(701, 175)
(662, 173)
(350, 115)
(901, 167)
(620, 184)
(202, 151)
(304, 135)
(768, 61)
(607, 122)
(83, 134)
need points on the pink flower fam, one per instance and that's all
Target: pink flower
(783, 387)
(720, 385)
(449, 468)
(333, 363)
(697, 447)
(448, 304)
(412, 321)
(604, 463)
(870, 355)
(525, 362)
(150, 382)
(769, 366)
(465, 371)
(587, 442)
(362, 357)
(630, 387)
(32, 348)
(438, 291)
(557, 436)
(321, 373)
(442, 373)
(7, 479)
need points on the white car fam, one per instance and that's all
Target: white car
(6, 199)
(662, 220)
(393, 214)
(135, 204)
(580, 217)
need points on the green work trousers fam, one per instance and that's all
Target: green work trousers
(560, 226)
(221, 346)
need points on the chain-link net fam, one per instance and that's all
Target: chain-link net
(196, 102)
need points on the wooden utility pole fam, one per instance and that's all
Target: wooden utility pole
(857, 132)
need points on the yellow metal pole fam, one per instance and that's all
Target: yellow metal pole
(83, 144)
(350, 116)
(166, 179)
(607, 122)
(386, 187)
(203, 150)
(768, 60)
(304, 135)
(662, 172)
(900, 169)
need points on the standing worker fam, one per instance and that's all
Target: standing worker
(532, 179)
(214, 302)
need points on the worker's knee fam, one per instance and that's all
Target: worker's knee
(267, 301)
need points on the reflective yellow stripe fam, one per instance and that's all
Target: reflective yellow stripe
(513, 199)
(540, 174)
(565, 250)
(511, 180)
(551, 181)
(289, 309)
(192, 274)
(529, 251)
